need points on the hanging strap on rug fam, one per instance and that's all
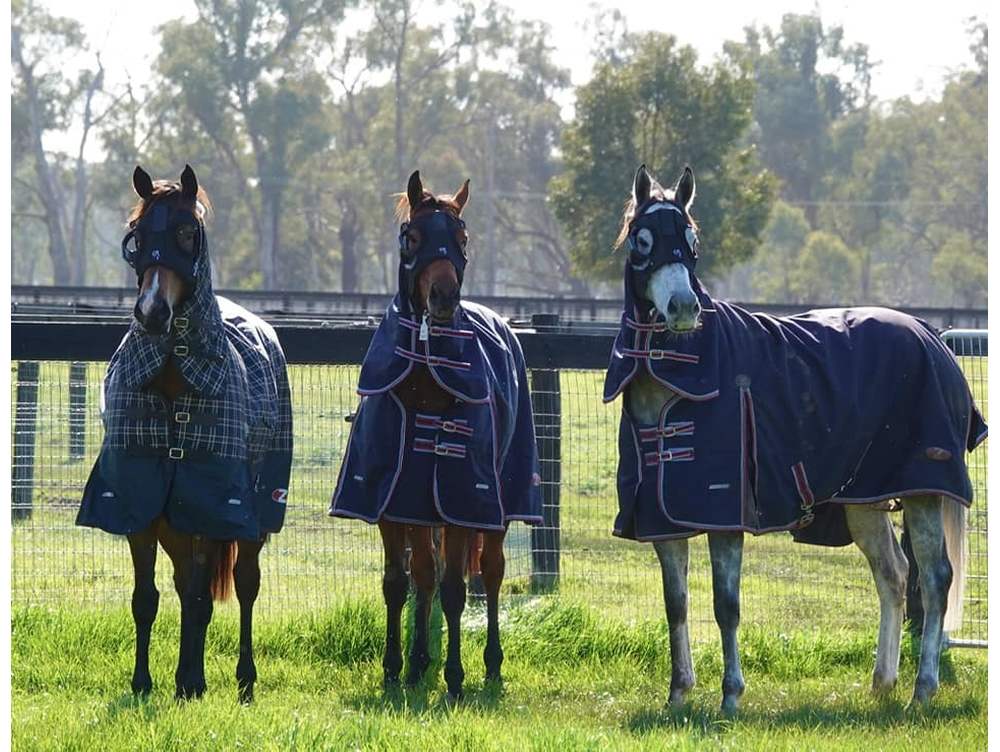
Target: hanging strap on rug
(805, 493)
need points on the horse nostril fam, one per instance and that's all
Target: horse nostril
(672, 308)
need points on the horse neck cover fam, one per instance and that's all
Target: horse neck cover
(217, 460)
(774, 423)
(475, 464)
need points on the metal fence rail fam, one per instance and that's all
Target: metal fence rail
(316, 561)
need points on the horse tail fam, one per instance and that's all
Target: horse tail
(954, 517)
(475, 552)
(222, 578)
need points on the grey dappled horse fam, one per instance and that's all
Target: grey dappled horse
(683, 353)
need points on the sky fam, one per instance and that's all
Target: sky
(916, 49)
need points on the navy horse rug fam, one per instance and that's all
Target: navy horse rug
(474, 465)
(217, 461)
(777, 422)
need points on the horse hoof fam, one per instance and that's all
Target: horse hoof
(455, 695)
(245, 694)
(922, 694)
(142, 686)
(494, 677)
(881, 686)
(418, 668)
(730, 705)
(390, 683)
(193, 692)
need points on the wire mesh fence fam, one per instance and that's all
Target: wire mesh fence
(317, 561)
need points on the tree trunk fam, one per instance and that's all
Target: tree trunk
(46, 182)
(350, 232)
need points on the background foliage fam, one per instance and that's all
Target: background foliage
(810, 190)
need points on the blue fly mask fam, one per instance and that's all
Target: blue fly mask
(660, 234)
(156, 239)
(438, 234)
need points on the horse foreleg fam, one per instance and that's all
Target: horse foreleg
(492, 565)
(673, 556)
(145, 603)
(196, 613)
(246, 577)
(872, 532)
(925, 520)
(453, 602)
(423, 570)
(726, 550)
(394, 589)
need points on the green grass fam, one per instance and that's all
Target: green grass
(587, 667)
(574, 679)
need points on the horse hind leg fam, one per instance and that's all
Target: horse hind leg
(395, 587)
(673, 556)
(492, 565)
(873, 534)
(246, 578)
(423, 571)
(145, 603)
(726, 550)
(926, 523)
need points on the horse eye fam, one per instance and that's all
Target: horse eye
(644, 241)
(463, 238)
(412, 241)
(185, 238)
(692, 238)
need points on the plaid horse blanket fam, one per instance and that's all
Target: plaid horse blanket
(777, 422)
(474, 465)
(216, 461)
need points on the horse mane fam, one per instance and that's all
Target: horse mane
(657, 192)
(427, 201)
(168, 189)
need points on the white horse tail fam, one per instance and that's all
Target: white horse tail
(954, 517)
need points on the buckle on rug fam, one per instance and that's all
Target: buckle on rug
(181, 323)
(181, 350)
(182, 417)
(806, 519)
(175, 453)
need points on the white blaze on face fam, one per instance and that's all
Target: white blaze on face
(666, 282)
(148, 299)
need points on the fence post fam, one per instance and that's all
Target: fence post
(546, 403)
(25, 420)
(77, 410)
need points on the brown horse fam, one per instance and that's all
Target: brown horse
(437, 292)
(170, 317)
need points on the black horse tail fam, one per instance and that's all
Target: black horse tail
(222, 578)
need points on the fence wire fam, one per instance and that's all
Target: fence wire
(318, 562)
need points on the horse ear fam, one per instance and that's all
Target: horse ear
(189, 183)
(415, 190)
(640, 186)
(142, 183)
(684, 190)
(462, 196)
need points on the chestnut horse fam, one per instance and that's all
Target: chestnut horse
(416, 406)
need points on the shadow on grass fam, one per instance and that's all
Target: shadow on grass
(886, 714)
(132, 703)
(428, 697)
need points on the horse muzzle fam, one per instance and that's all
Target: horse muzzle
(442, 302)
(683, 312)
(155, 317)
